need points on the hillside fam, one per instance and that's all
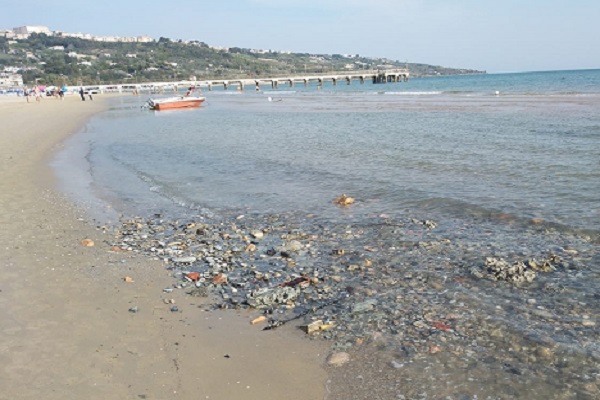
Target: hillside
(73, 61)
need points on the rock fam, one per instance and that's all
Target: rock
(184, 260)
(338, 359)
(87, 243)
(266, 297)
(134, 309)
(365, 306)
(344, 200)
(313, 327)
(434, 349)
(220, 279)
(256, 234)
(291, 246)
(128, 279)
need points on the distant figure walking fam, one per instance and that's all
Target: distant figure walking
(26, 93)
(82, 93)
(38, 94)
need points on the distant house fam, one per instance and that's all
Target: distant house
(104, 55)
(29, 29)
(144, 39)
(12, 70)
(88, 63)
(61, 48)
(131, 55)
(8, 80)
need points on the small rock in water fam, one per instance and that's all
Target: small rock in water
(344, 200)
(134, 309)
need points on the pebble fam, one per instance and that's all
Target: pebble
(415, 290)
(338, 359)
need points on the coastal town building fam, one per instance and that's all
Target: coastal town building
(29, 29)
(10, 80)
(23, 32)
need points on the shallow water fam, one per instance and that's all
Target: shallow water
(514, 176)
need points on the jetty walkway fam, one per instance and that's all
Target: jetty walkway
(240, 83)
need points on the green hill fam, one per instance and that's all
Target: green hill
(73, 61)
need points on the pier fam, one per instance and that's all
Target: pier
(274, 82)
(378, 76)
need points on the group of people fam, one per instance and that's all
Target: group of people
(37, 92)
(82, 94)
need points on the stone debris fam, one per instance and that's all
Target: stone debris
(87, 243)
(402, 284)
(519, 272)
(344, 200)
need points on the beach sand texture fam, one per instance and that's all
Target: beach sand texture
(66, 331)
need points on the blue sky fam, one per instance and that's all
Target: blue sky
(492, 35)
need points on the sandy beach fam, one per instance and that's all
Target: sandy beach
(66, 329)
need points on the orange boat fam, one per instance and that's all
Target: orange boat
(175, 102)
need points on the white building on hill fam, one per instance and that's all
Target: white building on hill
(8, 80)
(29, 29)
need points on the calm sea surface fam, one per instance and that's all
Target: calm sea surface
(509, 174)
(447, 145)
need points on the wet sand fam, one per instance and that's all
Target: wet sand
(66, 329)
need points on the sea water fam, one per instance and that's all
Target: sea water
(506, 165)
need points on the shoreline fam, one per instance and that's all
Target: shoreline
(67, 328)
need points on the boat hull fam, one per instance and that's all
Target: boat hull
(171, 104)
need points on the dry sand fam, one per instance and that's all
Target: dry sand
(65, 328)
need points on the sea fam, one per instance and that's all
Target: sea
(505, 165)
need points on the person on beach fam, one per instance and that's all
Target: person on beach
(82, 93)
(38, 93)
(26, 93)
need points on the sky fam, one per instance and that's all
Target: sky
(491, 35)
